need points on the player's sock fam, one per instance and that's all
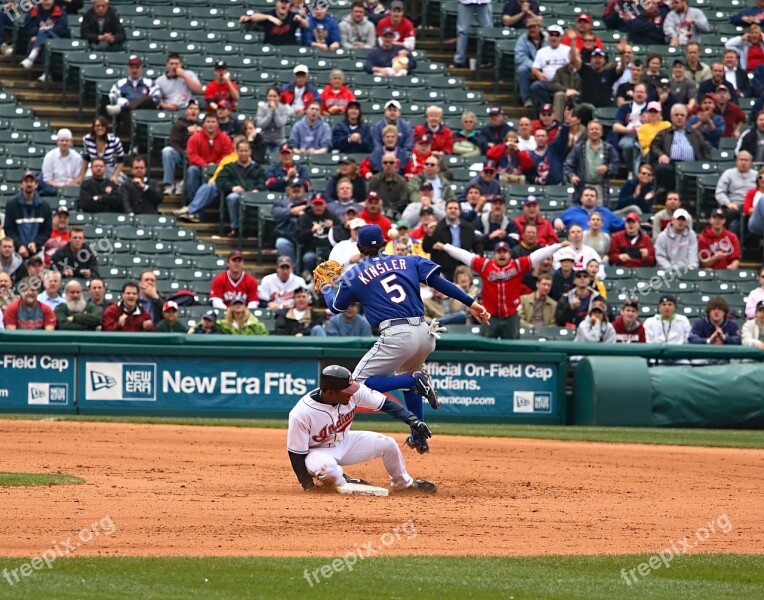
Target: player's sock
(388, 383)
(414, 403)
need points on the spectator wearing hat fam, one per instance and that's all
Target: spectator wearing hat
(733, 115)
(234, 284)
(272, 117)
(706, 122)
(497, 127)
(548, 158)
(345, 251)
(405, 34)
(547, 121)
(323, 31)
(422, 151)
(628, 328)
(526, 47)
(732, 187)
(752, 333)
(348, 324)
(548, 60)
(432, 173)
(663, 218)
(631, 247)
(677, 143)
(173, 154)
(496, 225)
(127, 315)
(486, 180)
(667, 327)
(311, 134)
(513, 164)
(392, 116)
(75, 259)
(353, 134)
(280, 24)
(380, 59)
(458, 234)
(285, 212)
(239, 321)
(373, 213)
(312, 232)
(709, 86)
(221, 88)
(45, 21)
(170, 322)
(207, 324)
(284, 172)
(595, 327)
(441, 137)
(28, 220)
(140, 195)
(343, 197)
(718, 247)
(578, 37)
(336, 96)
(277, 290)
(537, 308)
(573, 306)
(716, 328)
(356, 30)
(545, 233)
(236, 178)
(300, 93)
(597, 78)
(467, 11)
(300, 320)
(177, 87)
(61, 166)
(520, 13)
(684, 24)
(563, 277)
(227, 125)
(77, 313)
(205, 149)
(388, 184)
(646, 28)
(102, 28)
(132, 92)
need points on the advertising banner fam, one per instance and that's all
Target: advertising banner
(166, 384)
(37, 382)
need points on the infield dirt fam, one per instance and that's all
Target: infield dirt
(183, 490)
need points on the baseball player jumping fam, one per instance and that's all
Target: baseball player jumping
(388, 289)
(319, 440)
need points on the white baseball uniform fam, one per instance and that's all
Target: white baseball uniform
(322, 432)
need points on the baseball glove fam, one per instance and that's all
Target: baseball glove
(326, 274)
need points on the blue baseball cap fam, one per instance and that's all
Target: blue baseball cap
(371, 235)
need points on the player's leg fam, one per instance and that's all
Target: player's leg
(362, 446)
(322, 464)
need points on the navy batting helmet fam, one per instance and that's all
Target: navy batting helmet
(336, 377)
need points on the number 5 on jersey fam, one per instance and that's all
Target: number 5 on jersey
(394, 291)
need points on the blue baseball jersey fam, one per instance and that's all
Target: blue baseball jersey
(386, 286)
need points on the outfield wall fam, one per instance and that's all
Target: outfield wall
(478, 380)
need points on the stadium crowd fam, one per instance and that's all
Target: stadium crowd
(394, 173)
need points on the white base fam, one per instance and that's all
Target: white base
(362, 490)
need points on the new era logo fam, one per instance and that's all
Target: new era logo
(100, 381)
(38, 393)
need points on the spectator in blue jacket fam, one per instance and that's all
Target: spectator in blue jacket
(486, 181)
(548, 158)
(323, 32)
(706, 122)
(353, 134)
(44, 22)
(380, 59)
(647, 27)
(280, 174)
(285, 213)
(525, 52)
(716, 328)
(311, 134)
(28, 220)
(750, 15)
(393, 117)
(349, 323)
(131, 92)
(579, 214)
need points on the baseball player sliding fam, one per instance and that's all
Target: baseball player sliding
(319, 440)
(388, 289)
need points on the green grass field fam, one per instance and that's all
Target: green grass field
(733, 577)
(27, 479)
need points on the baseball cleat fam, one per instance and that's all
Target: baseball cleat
(424, 387)
(422, 486)
(417, 444)
(357, 480)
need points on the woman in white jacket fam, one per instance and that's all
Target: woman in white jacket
(753, 330)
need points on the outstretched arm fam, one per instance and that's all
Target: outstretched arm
(538, 256)
(460, 254)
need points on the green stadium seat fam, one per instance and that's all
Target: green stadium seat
(172, 235)
(130, 261)
(214, 264)
(153, 248)
(130, 234)
(737, 276)
(699, 275)
(169, 262)
(155, 221)
(191, 248)
(112, 272)
(721, 288)
(112, 219)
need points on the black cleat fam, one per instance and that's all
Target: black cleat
(349, 479)
(424, 387)
(420, 486)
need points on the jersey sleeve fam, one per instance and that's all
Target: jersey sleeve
(344, 296)
(368, 398)
(426, 268)
(479, 263)
(524, 264)
(298, 435)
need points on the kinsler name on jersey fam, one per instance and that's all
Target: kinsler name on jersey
(343, 422)
(377, 269)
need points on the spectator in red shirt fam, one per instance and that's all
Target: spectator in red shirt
(442, 136)
(234, 283)
(404, 29)
(628, 328)
(207, 147)
(733, 115)
(221, 88)
(584, 27)
(59, 235)
(631, 247)
(718, 247)
(422, 151)
(27, 312)
(336, 95)
(127, 314)
(546, 235)
(372, 214)
(547, 122)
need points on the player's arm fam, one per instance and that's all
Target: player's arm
(403, 414)
(460, 254)
(538, 256)
(299, 468)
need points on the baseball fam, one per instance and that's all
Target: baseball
(392, 233)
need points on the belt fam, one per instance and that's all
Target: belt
(406, 321)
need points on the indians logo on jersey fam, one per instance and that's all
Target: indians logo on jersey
(503, 275)
(343, 422)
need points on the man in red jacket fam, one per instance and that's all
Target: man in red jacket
(718, 247)
(628, 328)
(631, 247)
(546, 235)
(127, 314)
(205, 148)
